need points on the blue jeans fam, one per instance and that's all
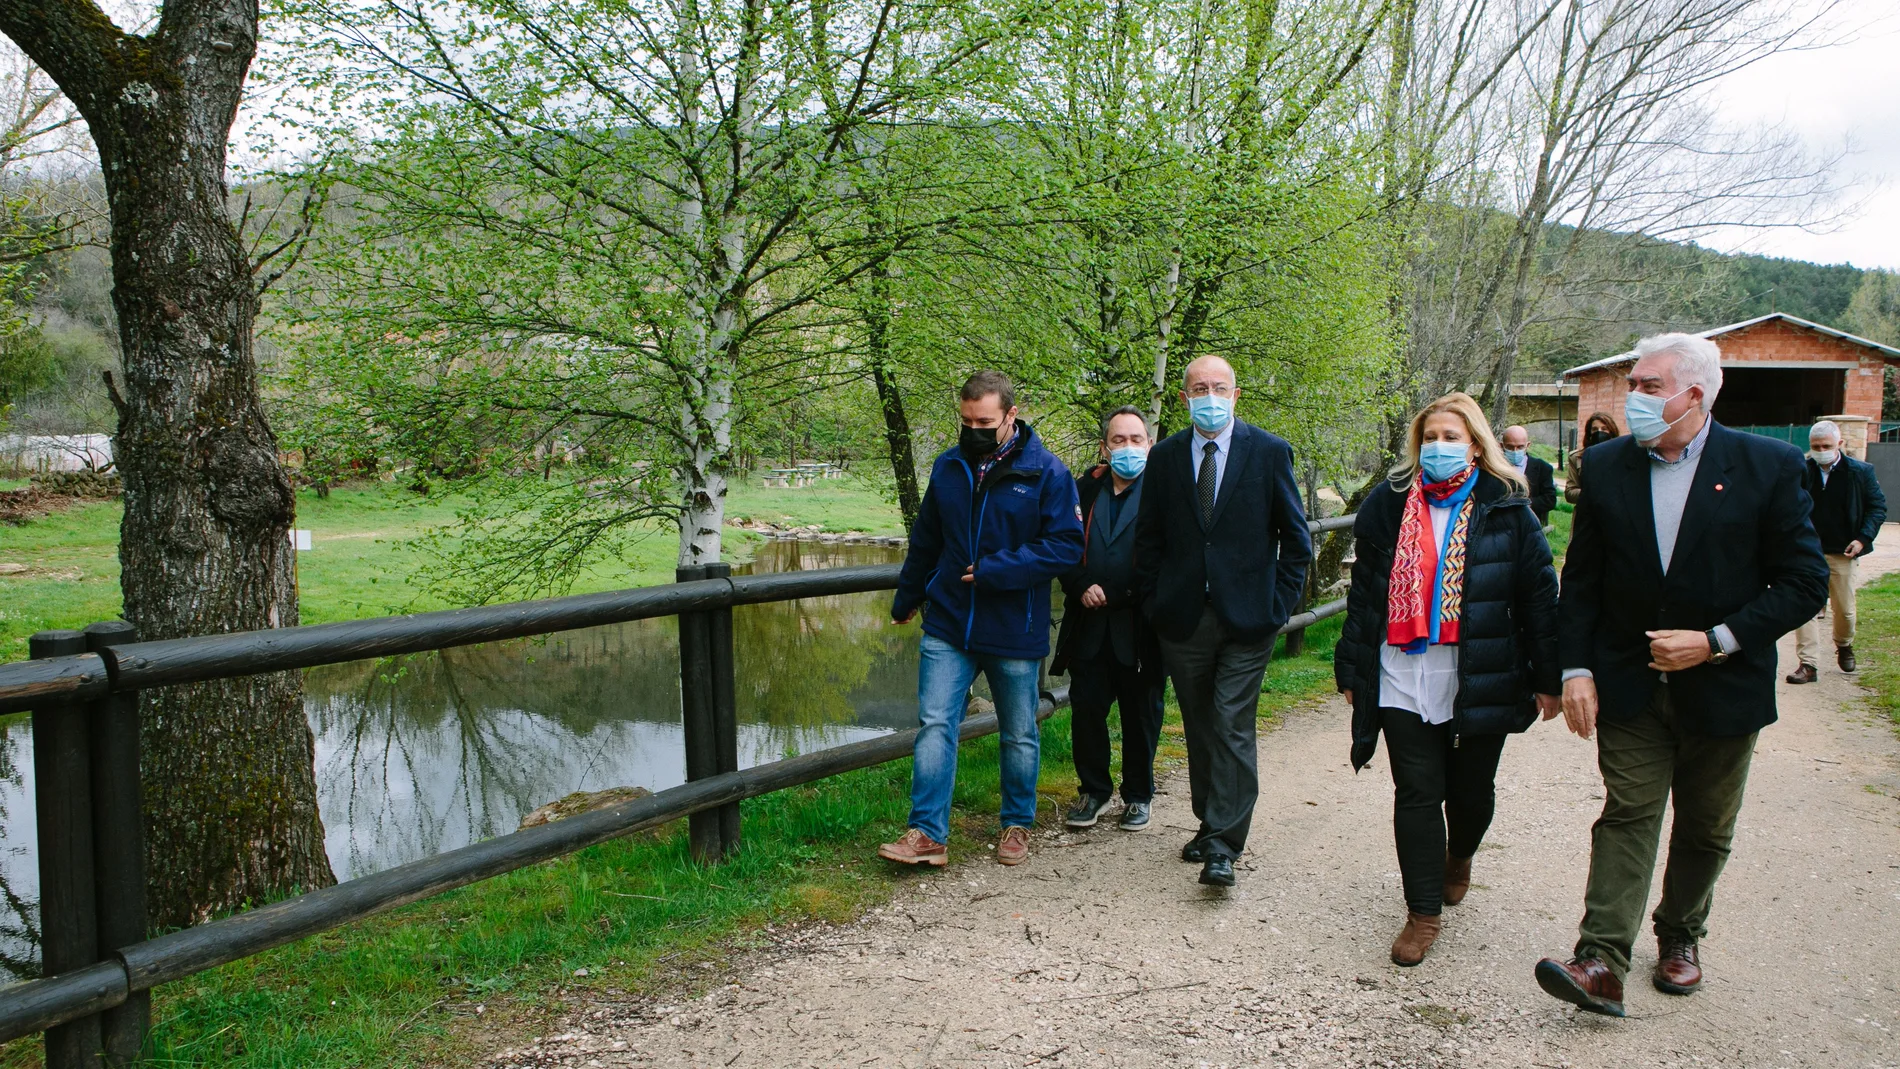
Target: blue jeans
(944, 675)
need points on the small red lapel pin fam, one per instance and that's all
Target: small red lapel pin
(1718, 486)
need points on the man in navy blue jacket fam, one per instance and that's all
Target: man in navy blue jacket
(998, 523)
(1691, 554)
(1221, 549)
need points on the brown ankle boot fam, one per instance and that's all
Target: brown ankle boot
(1457, 879)
(1417, 937)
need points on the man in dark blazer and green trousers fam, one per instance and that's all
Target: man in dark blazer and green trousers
(1221, 550)
(1691, 554)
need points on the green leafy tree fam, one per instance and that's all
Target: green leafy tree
(1874, 311)
(36, 122)
(600, 232)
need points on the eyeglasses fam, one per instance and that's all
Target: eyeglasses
(1203, 389)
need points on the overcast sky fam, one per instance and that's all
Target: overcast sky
(1828, 96)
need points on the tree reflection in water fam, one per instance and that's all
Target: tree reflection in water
(805, 666)
(425, 753)
(19, 871)
(429, 752)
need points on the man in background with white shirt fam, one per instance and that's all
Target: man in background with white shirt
(1848, 511)
(1691, 554)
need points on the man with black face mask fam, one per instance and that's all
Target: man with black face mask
(998, 523)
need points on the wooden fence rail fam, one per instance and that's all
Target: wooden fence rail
(82, 689)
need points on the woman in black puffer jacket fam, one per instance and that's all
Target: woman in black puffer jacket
(1450, 645)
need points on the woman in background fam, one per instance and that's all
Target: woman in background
(1450, 645)
(1599, 428)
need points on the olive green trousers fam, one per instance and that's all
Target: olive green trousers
(1647, 762)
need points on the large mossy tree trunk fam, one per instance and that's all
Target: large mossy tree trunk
(230, 788)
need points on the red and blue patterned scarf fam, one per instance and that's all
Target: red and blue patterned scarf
(1427, 593)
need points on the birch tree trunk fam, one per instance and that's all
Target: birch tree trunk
(231, 800)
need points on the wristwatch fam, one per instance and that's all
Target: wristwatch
(1716, 656)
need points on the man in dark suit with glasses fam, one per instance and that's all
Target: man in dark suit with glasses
(1221, 550)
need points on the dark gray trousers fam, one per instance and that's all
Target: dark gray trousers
(1217, 683)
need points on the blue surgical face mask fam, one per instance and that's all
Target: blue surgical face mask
(1443, 460)
(1645, 414)
(1210, 412)
(1128, 460)
(1517, 457)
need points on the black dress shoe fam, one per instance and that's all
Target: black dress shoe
(1085, 812)
(1845, 657)
(1218, 871)
(1194, 852)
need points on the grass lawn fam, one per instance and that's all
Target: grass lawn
(1877, 643)
(363, 550)
(72, 579)
(442, 981)
(1559, 533)
(837, 505)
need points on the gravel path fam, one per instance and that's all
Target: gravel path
(1103, 951)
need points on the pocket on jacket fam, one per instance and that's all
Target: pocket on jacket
(1021, 508)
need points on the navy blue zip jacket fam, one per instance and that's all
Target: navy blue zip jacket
(1022, 530)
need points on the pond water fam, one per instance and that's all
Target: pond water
(425, 753)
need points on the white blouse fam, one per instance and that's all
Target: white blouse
(1424, 683)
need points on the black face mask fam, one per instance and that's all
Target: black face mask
(978, 441)
(1597, 437)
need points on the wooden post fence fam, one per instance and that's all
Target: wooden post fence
(118, 844)
(62, 789)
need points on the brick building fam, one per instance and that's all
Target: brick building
(1778, 371)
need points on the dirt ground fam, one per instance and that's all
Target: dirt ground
(1103, 951)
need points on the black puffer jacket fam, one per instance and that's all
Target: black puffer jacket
(1507, 637)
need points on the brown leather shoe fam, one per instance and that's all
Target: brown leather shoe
(1585, 983)
(1013, 847)
(1457, 879)
(1417, 937)
(1803, 674)
(1678, 972)
(1844, 656)
(916, 848)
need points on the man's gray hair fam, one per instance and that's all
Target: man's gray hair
(1698, 362)
(1827, 427)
